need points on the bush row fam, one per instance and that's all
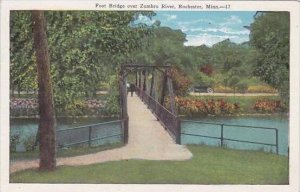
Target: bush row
(29, 107)
(250, 89)
(193, 106)
(269, 106)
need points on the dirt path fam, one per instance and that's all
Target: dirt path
(147, 140)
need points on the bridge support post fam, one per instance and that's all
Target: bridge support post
(171, 93)
(162, 99)
(140, 79)
(136, 78)
(125, 125)
(144, 81)
(152, 82)
(178, 132)
(123, 103)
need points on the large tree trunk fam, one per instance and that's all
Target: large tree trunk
(46, 110)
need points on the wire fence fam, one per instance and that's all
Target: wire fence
(91, 135)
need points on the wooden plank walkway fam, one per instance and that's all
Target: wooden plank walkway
(147, 140)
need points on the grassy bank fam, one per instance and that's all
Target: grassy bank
(209, 165)
(246, 103)
(68, 152)
(204, 105)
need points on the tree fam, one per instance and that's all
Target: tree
(86, 48)
(45, 97)
(166, 47)
(270, 35)
(181, 81)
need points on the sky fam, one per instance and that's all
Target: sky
(207, 27)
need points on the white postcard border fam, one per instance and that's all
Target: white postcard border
(291, 6)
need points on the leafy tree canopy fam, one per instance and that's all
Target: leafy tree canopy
(270, 35)
(84, 47)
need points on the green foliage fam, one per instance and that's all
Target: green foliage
(203, 107)
(242, 86)
(112, 105)
(222, 89)
(269, 106)
(22, 58)
(270, 35)
(261, 89)
(203, 79)
(181, 82)
(85, 47)
(14, 140)
(245, 104)
(29, 143)
(224, 62)
(232, 81)
(165, 47)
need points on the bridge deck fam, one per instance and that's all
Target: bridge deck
(147, 140)
(147, 137)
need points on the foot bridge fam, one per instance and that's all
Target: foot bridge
(153, 86)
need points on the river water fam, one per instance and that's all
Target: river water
(28, 127)
(239, 133)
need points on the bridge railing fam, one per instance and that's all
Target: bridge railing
(223, 127)
(168, 120)
(172, 124)
(95, 134)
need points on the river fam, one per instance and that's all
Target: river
(240, 133)
(28, 127)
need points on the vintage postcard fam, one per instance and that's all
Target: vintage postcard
(150, 96)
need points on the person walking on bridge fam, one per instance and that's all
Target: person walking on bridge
(132, 89)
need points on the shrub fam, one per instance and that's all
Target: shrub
(112, 105)
(264, 105)
(14, 141)
(242, 86)
(193, 106)
(181, 81)
(29, 143)
(261, 89)
(223, 89)
(76, 108)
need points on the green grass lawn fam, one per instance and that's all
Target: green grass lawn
(209, 165)
(68, 152)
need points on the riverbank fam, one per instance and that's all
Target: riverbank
(201, 106)
(65, 152)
